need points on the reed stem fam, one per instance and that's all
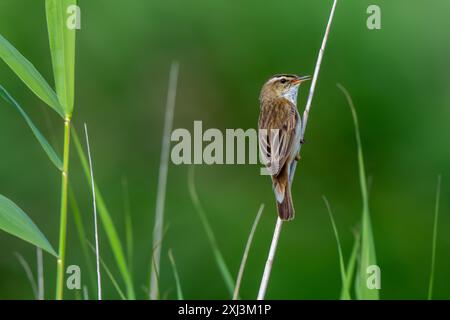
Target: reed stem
(276, 234)
(63, 213)
(162, 182)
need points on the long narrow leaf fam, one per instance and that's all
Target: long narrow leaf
(62, 48)
(29, 273)
(351, 266)
(41, 139)
(128, 222)
(246, 252)
(78, 219)
(176, 276)
(221, 264)
(368, 256)
(107, 223)
(345, 289)
(29, 75)
(433, 248)
(162, 181)
(16, 222)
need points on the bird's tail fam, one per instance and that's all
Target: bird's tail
(284, 204)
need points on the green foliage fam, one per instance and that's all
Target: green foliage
(62, 48)
(79, 225)
(345, 295)
(176, 276)
(16, 222)
(29, 75)
(433, 249)
(368, 256)
(109, 274)
(107, 223)
(351, 266)
(39, 136)
(221, 264)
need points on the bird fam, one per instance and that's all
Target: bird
(280, 135)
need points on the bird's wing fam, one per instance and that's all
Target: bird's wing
(277, 128)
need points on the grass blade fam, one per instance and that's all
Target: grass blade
(351, 266)
(29, 273)
(176, 276)
(368, 256)
(433, 250)
(54, 158)
(246, 251)
(16, 222)
(97, 251)
(81, 234)
(29, 75)
(62, 49)
(223, 268)
(107, 222)
(345, 289)
(128, 222)
(162, 180)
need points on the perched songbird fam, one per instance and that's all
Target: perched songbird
(280, 134)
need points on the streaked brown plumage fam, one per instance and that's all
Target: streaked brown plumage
(280, 133)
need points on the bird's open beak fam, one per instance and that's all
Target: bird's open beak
(301, 79)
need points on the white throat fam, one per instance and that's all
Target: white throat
(291, 94)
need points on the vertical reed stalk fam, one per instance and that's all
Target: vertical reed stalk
(246, 251)
(40, 273)
(276, 234)
(162, 181)
(63, 213)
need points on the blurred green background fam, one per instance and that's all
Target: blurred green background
(398, 76)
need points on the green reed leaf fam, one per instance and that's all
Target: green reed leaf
(39, 136)
(221, 264)
(29, 75)
(62, 48)
(345, 288)
(16, 222)
(351, 266)
(176, 276)
(107, 222)
(433, 247)
(368, 256)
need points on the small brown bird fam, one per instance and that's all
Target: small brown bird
(280, 134)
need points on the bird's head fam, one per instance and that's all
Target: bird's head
(282, 86)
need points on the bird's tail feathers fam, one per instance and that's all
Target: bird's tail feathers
(285, 207)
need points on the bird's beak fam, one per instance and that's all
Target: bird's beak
(301, 79)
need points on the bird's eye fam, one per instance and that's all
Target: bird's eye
(283, 80)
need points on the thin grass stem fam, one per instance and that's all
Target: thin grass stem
(28, 272)
(246, 251)
(345, 289)
(128, 222)
(176, 276)
(40, 273)
(276, 235)
(433, 250)
(97, 252)
(162, 180)
(220, 260)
